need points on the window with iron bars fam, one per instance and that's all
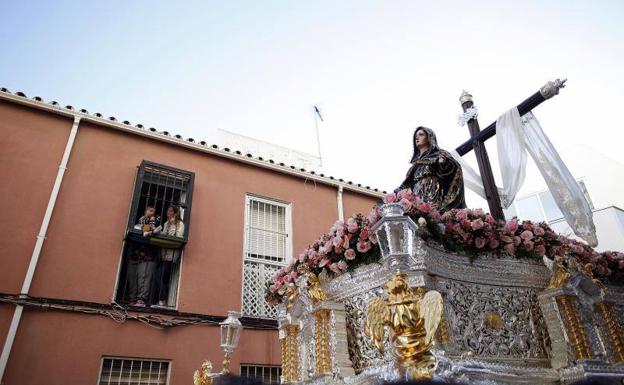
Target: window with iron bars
(267, 247)
(117, 371)
(158, 228)
(268, 374)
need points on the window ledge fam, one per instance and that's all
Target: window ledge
(161, 240)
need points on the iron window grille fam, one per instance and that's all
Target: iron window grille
(267, 247)
(128, 371)
(150, 265)
(161, 186)
(268, 374)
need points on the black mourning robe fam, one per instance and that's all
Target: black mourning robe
(441, 185)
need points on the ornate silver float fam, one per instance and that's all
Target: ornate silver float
(503, 320)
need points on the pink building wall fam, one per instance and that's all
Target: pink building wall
(81, 254)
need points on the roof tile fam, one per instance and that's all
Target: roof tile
(177, 136)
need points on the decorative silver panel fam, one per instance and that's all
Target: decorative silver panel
(521, 335)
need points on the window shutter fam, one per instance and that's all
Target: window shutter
(267, 249)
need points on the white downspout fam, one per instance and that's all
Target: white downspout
(340, 206)
(17, 315)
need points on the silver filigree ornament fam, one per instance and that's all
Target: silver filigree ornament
(469, 114)
(552, 88)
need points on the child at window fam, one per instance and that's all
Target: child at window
(173, 227)
(149, 221)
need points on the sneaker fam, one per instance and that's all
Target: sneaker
(140, 303)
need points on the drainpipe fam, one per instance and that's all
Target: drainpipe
(340, 206)
(17, 315)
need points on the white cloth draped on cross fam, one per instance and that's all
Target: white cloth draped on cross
(515, 136)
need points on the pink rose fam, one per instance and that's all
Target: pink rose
(338, 267)
(390, 198)
(510, 249)
(478, 212)
(364, 246)
(349, 254)
(353, 227)
(540, 249)
(477, 224)
(517, 240)
(528, 245)
(462, 214)
(490, 219)
(406, 204)
(493, 243)
(338, 250)
(302, 257)
(425, 207)
(402, 194)
(337, 241)
(526, 235)
(539, 231)
(512, 226)
(506, 239)
(480, 242)
(364, 234)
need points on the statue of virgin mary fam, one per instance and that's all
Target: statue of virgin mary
(435, 177)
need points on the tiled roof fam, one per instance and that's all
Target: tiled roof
(112, 121)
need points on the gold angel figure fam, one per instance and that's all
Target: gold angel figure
(413, 319)
(204, 375)
(315, 290)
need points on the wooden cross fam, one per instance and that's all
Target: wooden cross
(478, 138)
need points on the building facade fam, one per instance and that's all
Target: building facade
(93, 291)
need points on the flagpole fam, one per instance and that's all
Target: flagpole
(317, 115)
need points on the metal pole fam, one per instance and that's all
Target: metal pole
(34, 259)
(317, 115)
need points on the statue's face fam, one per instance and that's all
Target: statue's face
(422, 139)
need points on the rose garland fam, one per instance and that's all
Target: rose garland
(350, 244)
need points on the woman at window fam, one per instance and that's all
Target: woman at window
(173, 227)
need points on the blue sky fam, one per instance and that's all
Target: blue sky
(377, 69)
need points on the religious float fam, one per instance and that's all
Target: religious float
(424, 288)
(422, 311)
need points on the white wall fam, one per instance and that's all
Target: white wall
(609, 224)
